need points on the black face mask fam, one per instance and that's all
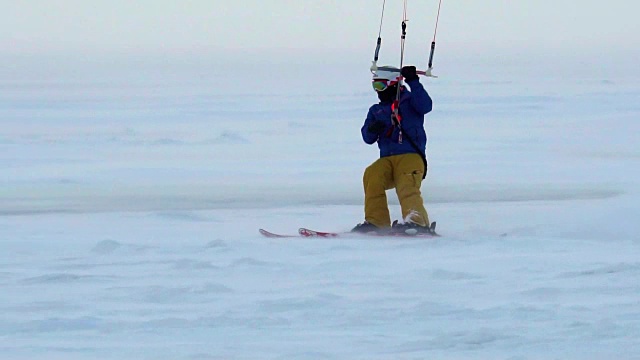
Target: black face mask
(389, 94)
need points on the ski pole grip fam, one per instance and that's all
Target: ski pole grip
(375, 57)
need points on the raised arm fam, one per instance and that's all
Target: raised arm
(420, 99)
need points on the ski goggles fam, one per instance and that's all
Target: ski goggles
(382, 84)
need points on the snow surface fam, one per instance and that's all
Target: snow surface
(129, 212)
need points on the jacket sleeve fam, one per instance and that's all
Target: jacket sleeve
(420, 99)
(367, 136)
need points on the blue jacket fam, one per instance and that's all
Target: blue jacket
(414, 105)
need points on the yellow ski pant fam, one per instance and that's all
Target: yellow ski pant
(402, 172)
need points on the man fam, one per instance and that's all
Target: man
(396, 123)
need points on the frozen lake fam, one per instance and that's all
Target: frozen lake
(129, 212)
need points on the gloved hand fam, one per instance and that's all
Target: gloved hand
(377, 127)
(409, 73)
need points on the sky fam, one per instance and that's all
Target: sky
(206, 25)
(545, 32)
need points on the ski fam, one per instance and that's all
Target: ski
(269, 234)
(302, 232)
(305, 232)
(312, 233)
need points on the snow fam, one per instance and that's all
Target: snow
(129, 213)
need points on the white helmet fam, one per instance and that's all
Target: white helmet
(385, 77)
(389, 73)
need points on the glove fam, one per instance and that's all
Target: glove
(377, 127)
(409, 73)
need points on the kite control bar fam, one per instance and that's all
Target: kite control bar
(375, 67)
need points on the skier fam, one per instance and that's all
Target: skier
(402, 142)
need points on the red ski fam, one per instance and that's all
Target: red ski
(312, 233)
(273, 235)
(304, 232)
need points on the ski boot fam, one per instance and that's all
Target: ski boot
(413, 229)
(366, 228)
